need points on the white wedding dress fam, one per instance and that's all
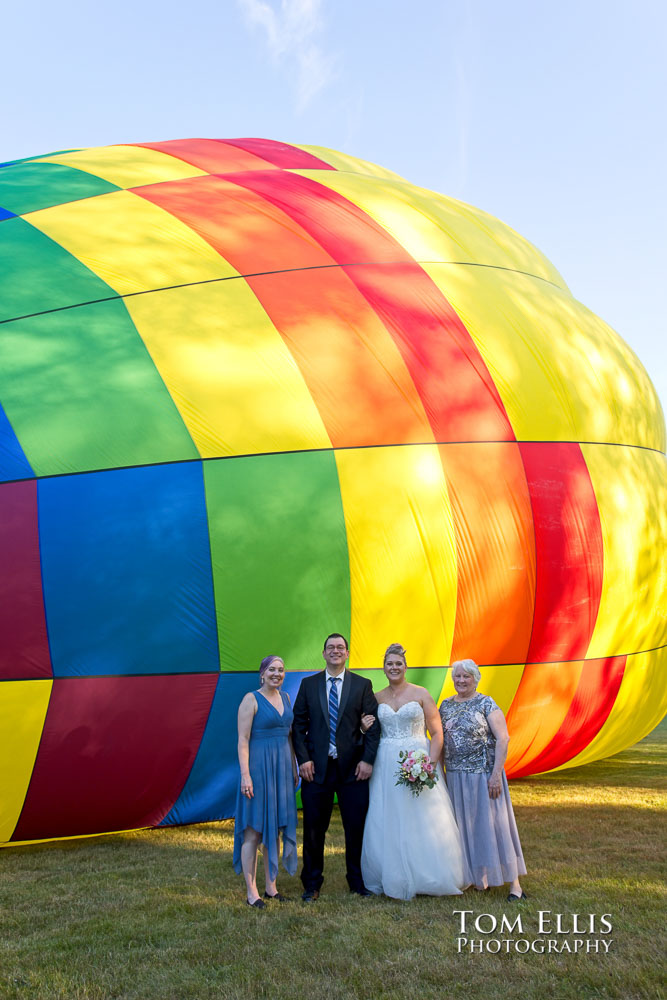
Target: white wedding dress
(411, 843)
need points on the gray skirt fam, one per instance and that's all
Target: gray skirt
(491, 845)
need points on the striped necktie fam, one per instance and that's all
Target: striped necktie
(333, 716)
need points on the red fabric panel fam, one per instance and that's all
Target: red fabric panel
(210, 154)
(115, 753)
(24, 647)
(593, 701)
(281, 154)
(568, 546)
(433, 341)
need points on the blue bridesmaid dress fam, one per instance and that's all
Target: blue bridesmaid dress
(272, 809)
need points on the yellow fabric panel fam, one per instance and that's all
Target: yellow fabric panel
(499, 682)
(402, 553)
(432, 227)
(233, 379)
(631, 489)
(641, 704)
(562, 373)
(23, 706)
(130, 243)
(80, 836)
(352, 164)
(126, 166)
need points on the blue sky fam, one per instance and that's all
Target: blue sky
(550, 117)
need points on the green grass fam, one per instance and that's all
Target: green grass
(160, 914)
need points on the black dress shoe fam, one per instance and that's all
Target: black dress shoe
(310, 895)
(363, 891)
(279, 898)
(259, 904)
(513, 898)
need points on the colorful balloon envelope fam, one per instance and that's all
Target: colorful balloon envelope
(253, 393)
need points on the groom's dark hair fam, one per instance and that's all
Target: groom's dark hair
(336, 635)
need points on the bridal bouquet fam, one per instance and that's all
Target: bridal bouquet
(416, 770)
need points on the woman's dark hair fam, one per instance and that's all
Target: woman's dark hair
(335, 635)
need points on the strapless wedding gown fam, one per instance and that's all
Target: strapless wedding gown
(411, 843)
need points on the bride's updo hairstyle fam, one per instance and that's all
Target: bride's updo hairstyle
(468, 667)
(395, 650)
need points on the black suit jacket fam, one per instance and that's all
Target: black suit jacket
(310, 730)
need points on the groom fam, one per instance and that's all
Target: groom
(335, 757)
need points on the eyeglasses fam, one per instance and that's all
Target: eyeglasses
(335, 649)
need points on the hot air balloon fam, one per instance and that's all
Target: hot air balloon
(252, 393)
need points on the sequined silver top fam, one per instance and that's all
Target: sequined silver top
(469, 743)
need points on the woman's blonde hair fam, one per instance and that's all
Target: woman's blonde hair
(394, 650)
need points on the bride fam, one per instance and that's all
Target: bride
(411, 843)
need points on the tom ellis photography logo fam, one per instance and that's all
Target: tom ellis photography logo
(544, 932)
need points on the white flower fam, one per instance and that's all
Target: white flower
(423, 777)
(415, 770)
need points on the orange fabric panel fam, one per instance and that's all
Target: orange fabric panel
(495, 551)
(541, 703)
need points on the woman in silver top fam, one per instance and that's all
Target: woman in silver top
(475, 749)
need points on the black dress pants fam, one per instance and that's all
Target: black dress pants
(317, 802)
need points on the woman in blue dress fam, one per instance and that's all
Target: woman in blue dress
(266, 802)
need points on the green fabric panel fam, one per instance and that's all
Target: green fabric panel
(279, 552)
(37, 274)
(81, 392)
(27, 187)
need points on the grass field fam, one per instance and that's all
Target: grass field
(160, 914)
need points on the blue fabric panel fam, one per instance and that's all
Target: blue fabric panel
(5, 214)
(13, 463)
(127, 572)
(210, 791)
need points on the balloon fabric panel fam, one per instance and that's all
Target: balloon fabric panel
(23, 706)
(82, 392)
(102, 234)
(495, 551)
(432, 227)
(641, 702)
(126, 166)
(400, 537)
(349, 362)
(115, 753)
(13, 463)
(127, 572)
(568, 548)
(351, 366)
(589, 708)
(276, 585)
(416, 315)
(562, 374)
(210, 791)
(26, 187)
(225, 365)
(281, 154)
(631, 489)
(37, 275)
(211, 155)
(24, 647)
